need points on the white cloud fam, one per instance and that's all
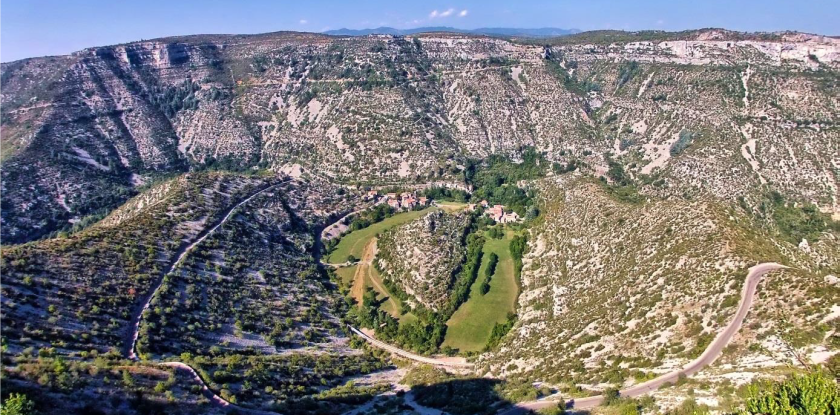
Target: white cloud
(463, 13)
(446, 13)
(303, 21)
(660, 22)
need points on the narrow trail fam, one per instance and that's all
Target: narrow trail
(459, 363)
(130, 347)
(363, 269)
(709, 355)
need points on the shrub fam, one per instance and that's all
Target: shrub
(813, 393)
(492, 261)
(17, 404)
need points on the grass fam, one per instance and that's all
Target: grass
(393, 304)
(354, 242)
(346, 275)
(452, 206)
(470, 327)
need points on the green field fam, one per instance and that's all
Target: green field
(470, 327)
(392, 306)
(354, 242)
(346, 275)
(452, 206)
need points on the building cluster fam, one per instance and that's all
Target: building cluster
(400, 201)
(496, 212)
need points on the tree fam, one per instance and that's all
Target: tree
(611, 396)
(18, 404)
(484, 288)
(813, 394)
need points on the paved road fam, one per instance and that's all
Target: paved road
(331, 231)
(709, 355)
(445, 362)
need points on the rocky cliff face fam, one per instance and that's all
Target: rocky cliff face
(82, 132)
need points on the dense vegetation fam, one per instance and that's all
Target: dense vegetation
(426, 334)
(518, 246)
(499, 331)
(170, 100)
(813, 394)
(495, 180)
(571, 82)
(488, 273)
(370, 216)
(796, 222)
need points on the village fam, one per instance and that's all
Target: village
(406, 201)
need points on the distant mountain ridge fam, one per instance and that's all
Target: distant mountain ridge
(495, 31)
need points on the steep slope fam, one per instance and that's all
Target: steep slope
(249, 289)
(423, 256)
(616, 292)
(80, 139)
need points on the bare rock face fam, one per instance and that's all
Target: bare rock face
(422, 256)
(81, 132)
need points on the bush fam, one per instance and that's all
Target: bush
(496, 232)
(611, 397)
(485, 287)
(813, 393)
(796, 223)
(17, 404)
(492, 261)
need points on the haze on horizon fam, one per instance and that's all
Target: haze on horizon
(53, 27)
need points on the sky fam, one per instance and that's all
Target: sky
(55, 27)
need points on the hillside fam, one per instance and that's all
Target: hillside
(422, 256)
(250, 289)
(95, 125)
(615, 292)
(163, 203)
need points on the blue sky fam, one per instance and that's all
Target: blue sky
(51, 27)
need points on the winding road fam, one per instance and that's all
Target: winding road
(446, 362)
(130, 348)
(709, 355)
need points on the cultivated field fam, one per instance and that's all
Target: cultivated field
(470, 326)
(354, 242)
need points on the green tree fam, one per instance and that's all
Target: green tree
(812, 394)
(128, 381)
(18, 404)
(611, 397)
